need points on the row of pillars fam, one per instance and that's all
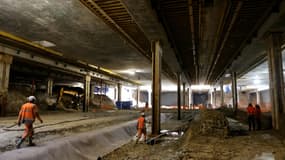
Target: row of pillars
(275, 70)
(276, 80)
(5, 63)
(276, 83)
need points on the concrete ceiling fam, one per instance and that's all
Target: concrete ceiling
(76, 32)
(116, 34)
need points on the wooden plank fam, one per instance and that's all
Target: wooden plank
(152, 140)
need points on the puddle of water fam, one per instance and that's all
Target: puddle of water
(264, 156)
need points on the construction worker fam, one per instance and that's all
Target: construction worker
(141, 127)
(250, 116)
(27, 116)
(258, 116)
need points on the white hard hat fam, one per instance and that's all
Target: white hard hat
(142, 114)
(31, 98)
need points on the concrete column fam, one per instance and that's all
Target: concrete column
(222, 93)
(257, 97)
(119, 91)
(87, 93)
(179, 95)
(92, 91)
(49, 87)
(101, 93)
(215, 97)
(187, 98)
(5, 63)
(274, 42)
(138, 96)
(191, 106)
(234, 92)
(184, 95)
(156, 86)
(149, 97)
(212, 97)
(115, 94)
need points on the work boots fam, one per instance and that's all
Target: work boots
(31, 142)
(20, 141)
(18, 145)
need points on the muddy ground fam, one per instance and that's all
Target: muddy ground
(239, 144)
(214, 137)
(59, 124)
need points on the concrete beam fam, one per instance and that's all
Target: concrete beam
(62, 65)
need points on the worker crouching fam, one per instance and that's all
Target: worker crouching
(27, 116)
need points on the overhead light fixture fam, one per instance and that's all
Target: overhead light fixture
(200, 87)
(45, 43)
(227, 75)
(129, 71)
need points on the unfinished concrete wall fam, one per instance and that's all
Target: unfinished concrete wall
(218, 98)
(143, 96)
(265, 102)
(246, 97)
(169, 98)
(252, 98)
(228, 100)
(243, 100)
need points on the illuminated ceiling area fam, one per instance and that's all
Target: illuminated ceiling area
(256, 79)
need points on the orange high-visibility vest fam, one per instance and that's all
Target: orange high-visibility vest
(141, 123)
(250, 110)
(27, 111)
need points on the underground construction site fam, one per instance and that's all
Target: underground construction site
(142, 80)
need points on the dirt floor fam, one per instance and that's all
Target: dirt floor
(259, 145)
(238, 145)
(59, 124)
(200, 143)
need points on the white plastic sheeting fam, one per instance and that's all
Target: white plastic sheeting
(85, 146)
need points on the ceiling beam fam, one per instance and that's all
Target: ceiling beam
(224, 40)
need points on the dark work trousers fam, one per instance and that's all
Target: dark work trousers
(258, 123)
(251, 122)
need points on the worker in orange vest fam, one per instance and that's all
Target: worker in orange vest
(258, 116)
(27, 116)
(251, 118)
(141, 127)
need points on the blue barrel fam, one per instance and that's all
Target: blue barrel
(124, 104)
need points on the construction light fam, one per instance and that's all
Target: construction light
(200, 87)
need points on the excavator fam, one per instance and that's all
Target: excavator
(67, 98)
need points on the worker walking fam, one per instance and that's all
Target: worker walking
(27, 116)
(141, 127)
(250, 116)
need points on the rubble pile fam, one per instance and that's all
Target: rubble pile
(208, 123)
(102, 102)
(16, 97)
